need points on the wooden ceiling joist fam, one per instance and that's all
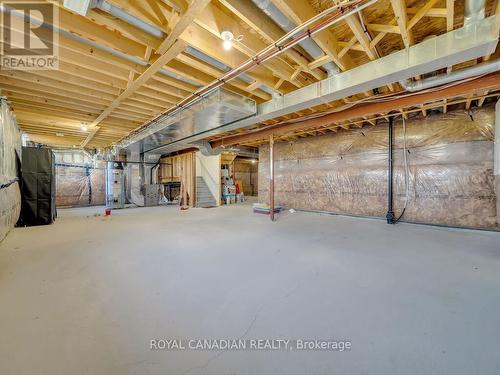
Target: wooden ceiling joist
(98, 84)
(481, 84)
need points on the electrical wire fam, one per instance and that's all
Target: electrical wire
(407, 173)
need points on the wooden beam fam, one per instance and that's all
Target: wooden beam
(249, 13)
(399, 8)
(175, 49)
(490, 82)
(421, 13)
(194, 9)
(450, 14)
(359, 33)
(302, 11)
(214, 20)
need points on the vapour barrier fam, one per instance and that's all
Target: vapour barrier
(450, 159)
(80, 185)
(10, 149)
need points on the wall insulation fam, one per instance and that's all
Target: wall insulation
(10, 147)
(80, 185)
(450, 160)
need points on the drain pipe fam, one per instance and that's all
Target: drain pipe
(390, 211)
(284, 23)
(497, 158)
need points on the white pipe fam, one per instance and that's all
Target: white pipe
(476, 70)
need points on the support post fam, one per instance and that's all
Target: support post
(496, 150)
(271, 176)
(390, 213)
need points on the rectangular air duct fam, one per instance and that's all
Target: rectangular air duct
(467, 43)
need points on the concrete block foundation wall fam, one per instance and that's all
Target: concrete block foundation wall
(450, 158)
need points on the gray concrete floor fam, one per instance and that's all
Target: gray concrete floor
(87, 294)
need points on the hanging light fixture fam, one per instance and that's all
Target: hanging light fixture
(227, 37)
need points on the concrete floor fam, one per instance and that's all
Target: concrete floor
(87, 294)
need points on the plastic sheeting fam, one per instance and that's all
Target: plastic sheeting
(450, 171)
(10, 145)
(79, 185)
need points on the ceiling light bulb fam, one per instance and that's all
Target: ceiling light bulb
(84, 128)
(227, 44)
(227, 37)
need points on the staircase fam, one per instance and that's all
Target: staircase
(204, 197)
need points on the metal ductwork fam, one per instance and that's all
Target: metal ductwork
(219, 65)
(130, 58)
(476, 70)
(287, 25)
(452, 48)
(158, 33)
(206, 148)
(474, 12)
(124, 16)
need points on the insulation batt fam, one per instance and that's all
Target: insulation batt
(74, 188)
(450, 170)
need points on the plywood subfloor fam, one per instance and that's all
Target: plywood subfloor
(87, 294)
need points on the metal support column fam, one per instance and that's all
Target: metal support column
(271, 176)
(390, 211)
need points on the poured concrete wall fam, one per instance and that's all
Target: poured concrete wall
(450, 160)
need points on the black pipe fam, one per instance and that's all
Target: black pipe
(390, 213)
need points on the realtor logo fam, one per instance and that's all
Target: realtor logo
(29, 39)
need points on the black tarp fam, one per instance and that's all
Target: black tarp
(37, 186)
